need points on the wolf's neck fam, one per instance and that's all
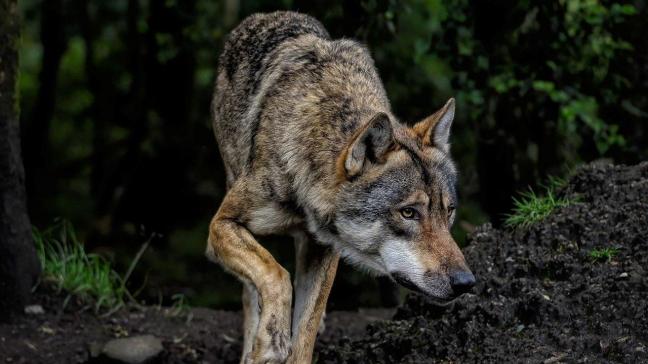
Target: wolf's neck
(317, 94)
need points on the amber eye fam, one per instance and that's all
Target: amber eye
(409, 213)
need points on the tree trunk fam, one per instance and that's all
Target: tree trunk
(19, 266)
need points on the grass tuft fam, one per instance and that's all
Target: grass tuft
(180, 305)
(603, 254)
(531, 207)
(70, 268)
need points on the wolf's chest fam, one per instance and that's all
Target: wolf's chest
(272, 218)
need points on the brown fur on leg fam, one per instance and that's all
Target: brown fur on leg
(315, 272)
(232, 245)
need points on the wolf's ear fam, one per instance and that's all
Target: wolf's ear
(371, 144)
(435, 129)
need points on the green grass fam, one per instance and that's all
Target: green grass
(531, 207)
(179, 307)
(603, 254)
(70, 268)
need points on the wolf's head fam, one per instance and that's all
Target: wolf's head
(397, 204)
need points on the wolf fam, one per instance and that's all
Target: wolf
(312, 150)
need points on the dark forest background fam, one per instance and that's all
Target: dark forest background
(115, 112)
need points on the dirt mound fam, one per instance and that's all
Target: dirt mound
(541, 296)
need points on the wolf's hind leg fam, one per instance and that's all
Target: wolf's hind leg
(314, 274)
(234, 247)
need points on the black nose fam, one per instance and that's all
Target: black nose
(461, 281)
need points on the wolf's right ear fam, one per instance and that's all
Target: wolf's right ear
(435, 129)
(371, 143)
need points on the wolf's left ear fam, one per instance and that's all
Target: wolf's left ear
(371, 144)
(435, 129)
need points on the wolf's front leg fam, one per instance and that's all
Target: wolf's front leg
(233, 246)
(250, 299)
(315, 271)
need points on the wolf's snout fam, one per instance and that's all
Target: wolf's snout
(444, 287)
(461, 281)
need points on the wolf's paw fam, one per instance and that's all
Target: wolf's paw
(271, 349)
(278, 351)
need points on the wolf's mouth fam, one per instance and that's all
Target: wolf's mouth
(407, 283)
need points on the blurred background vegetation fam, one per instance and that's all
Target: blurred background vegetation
(115, 112)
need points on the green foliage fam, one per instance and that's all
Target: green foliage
(70, 268)
(603, 254)
(530, 207)
(581, 51)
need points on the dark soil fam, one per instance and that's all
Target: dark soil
(540, 298)
(196, 335)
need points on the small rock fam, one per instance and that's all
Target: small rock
(133, 350)
(546, 297)
(623, 275)
(34, 310)
(46, 330)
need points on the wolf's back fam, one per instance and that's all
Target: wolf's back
(241, 72)
(258, 35)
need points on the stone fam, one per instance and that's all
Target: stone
(133, 350)
(34, 310)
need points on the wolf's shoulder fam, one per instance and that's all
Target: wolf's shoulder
(259, 34)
